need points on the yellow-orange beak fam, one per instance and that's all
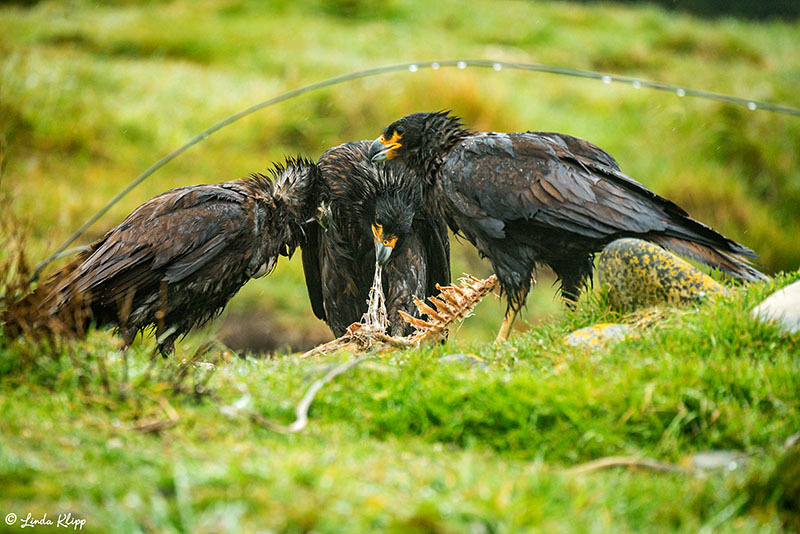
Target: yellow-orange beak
(382, 149)
(384, 244)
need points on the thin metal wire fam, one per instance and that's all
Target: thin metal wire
(412, 67)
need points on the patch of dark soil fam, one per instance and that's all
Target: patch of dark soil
(255, 331)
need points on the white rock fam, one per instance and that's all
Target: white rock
(709, 460)
(783, 308)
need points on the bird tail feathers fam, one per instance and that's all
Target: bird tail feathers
(53, 308)
(733, 264)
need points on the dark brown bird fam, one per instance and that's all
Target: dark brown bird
(370, 213)
(543, 198)
(178, 259)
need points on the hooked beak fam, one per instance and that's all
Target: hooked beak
(384, 244)
(382, 253)
(382, 149)
(377, 150)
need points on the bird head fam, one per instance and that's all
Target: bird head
(394, 214)
(407, 135)
(392, 202)
(294, 186)
(368, 199)
(399, 137)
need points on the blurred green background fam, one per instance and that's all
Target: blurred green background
(92, 94)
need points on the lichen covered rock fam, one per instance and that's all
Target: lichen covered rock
(597, 335)
(637, 273)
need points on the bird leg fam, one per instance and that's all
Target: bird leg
(505, 328)
(166, 342)
(514, 304)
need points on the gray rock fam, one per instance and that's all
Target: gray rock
(782, 308)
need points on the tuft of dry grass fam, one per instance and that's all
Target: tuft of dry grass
(24, 306)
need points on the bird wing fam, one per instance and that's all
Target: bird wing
(166, 239)
(311, 269)
(577, 148)
(407, 277)
(554, 181)
(338, 164)
(435, 241)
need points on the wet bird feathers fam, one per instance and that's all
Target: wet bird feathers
(531, 198)
(176, 260)
(497, 179)
(339, 257)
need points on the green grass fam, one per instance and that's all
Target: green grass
(91, 95)
(405, 442)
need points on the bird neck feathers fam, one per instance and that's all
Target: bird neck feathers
(440, 133)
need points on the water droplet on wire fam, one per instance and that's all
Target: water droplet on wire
(751, 106)
(606, 79)
(461, 65)
(497, 66)
(637, 84)
(413, 67)
(680, 92)
(435, 65)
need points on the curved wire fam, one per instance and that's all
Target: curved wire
(412, 67)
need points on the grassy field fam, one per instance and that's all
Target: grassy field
(407, 443)
(91, 95)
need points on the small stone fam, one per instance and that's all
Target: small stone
(597, 335)
(712, 460)
(792, 440)
(782, 308)
(460, 357)
(637, 274)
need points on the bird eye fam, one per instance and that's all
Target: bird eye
(399, 130)
(386, 242)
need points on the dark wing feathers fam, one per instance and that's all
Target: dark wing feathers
(168, 239)
(564, 183)
(730, 263)
(187, 264)
(336, 259)
(337, 166)
(436, 245)
(311, 268)
(180, 257)
(407, 276)
(617, 191)
(567, 146)
(339, 261)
